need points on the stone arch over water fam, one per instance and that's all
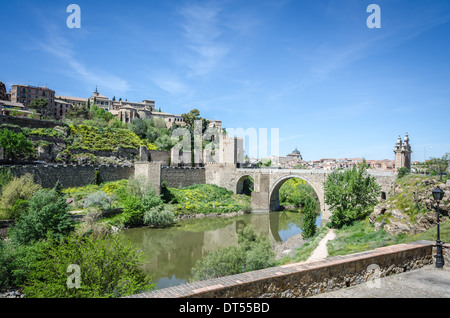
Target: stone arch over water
(274, 193)
(241, 182)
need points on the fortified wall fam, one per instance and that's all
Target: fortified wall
(73, 175)
(29, 122)
(174, 177)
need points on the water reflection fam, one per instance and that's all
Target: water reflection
(172, 252)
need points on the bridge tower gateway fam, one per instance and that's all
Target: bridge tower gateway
(402, 152)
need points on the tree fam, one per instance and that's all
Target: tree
(16, 145)
(17, 189)
(109, 266)
(40, 105)
(403, 171)
(190, 118)
(350, 194)
(439, 165)
(47, 214)
(308, 224)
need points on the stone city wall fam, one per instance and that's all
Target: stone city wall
(174, 177)
(180, 177)
(29, 122)
(72, 175)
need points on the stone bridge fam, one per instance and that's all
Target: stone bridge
(267, 181)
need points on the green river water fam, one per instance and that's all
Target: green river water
(172, 252)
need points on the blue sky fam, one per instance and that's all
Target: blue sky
(313, 69)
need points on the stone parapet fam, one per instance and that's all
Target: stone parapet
(307, 278)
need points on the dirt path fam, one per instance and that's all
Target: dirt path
(321, 250)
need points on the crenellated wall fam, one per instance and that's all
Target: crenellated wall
(73, 175)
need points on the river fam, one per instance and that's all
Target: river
(172, 252)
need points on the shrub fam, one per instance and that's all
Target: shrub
(253, 252)
(17, 189)
(159, 217)
(206, 198)
(351, 195)
(308, 224)
(296, 192)
(403, 171)
(17, 261)
(223, 262)
(134, 207)
(16, 146)
(109, 267)
(46, 214)
(98, 199)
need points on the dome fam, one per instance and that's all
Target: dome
(296, 152)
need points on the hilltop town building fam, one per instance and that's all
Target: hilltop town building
(402, 152)
(25, 94)
(3, 94)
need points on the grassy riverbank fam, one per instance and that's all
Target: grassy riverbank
(362, 236)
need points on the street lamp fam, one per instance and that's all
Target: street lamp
(438, 194)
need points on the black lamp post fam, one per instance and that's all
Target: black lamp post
(438, 194)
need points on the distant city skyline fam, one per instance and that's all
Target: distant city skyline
(334, 87)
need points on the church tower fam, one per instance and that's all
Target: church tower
(402, 152)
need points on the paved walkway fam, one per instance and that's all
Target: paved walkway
(321, 250)
(426, 282)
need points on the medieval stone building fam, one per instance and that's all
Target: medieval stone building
(402, 152)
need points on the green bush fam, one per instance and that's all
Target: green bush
(98, 199)
(134, 207)
(17, 261)
(308, 224)
(109, 267)
(16, 146)
(223, 262)
(296, 192)
(403, 171)
(351, 195)
(206, 198)
(159, 217)
(46, 214)
(253, 252)
(17, 189)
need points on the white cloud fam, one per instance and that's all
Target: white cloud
(202, 31)
(61, 49)
(171, 84)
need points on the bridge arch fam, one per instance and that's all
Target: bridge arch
(274, 192)
(241, 182)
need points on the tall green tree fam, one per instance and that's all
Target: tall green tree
(16, 145)
(308, 224)
(439, 165)
(40, 105)
(47, 214)
(350, 194)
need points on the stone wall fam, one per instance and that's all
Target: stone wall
(159, 156)
(175, 177)
(307, 278)
(180, 177)
(72, 175)
(29, 122)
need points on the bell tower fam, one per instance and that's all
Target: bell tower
(402, 152)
